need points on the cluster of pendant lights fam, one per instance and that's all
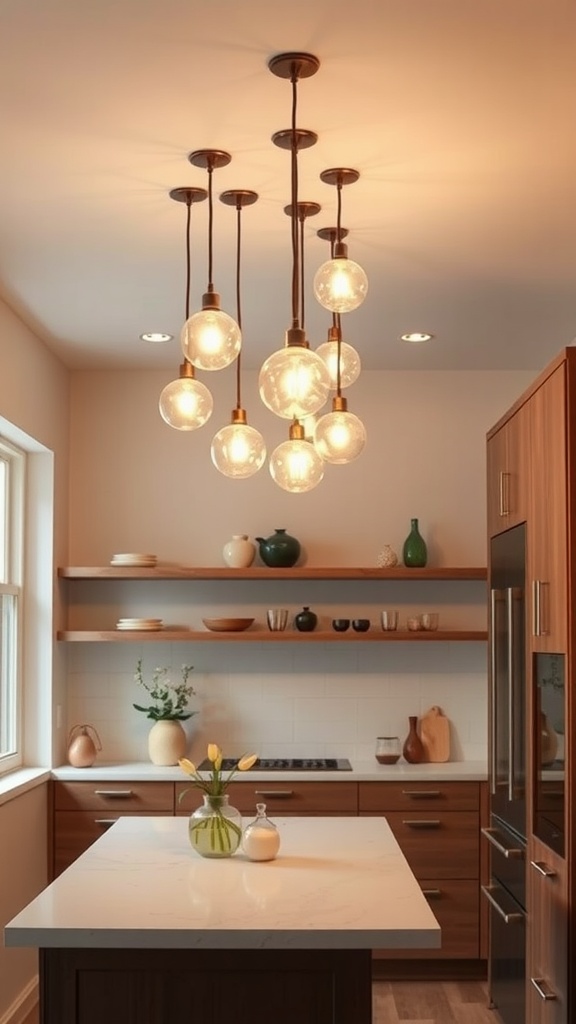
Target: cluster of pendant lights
(295, 381)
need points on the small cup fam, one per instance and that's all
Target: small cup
(429, 621)
(277, 619)
(387, 749)
(361, 625)
(413, 624)
(340, 625)
(389, 620)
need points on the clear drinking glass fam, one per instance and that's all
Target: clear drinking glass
(277, 619)
(388, 749)
(389, 620)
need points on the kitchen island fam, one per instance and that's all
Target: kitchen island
(141, 930)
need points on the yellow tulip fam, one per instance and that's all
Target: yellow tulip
(247, 761)
(214, 752)
(187, 766)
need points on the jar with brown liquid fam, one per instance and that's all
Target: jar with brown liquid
(387, 749)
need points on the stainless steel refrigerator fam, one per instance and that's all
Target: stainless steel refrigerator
(506, 834)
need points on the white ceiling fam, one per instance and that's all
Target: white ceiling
(459, 116)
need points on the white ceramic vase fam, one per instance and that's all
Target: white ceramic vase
(239, 552)
(167, 742)
(387, 558)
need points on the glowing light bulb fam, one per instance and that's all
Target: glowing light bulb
(294, 382)
(339, 436)
(238, 451)
(340, 285)
(185, 404)
(211, 339)
(296, 466)
(350, 365)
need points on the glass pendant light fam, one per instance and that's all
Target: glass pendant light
(295, 465)
(186, 403)
(348, 360)
(339, 436)
(340, 284)
(238, 450)
(210, 339)
(294, 381)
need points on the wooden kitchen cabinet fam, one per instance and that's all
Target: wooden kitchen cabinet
(507, 454)
(547, 981)
(82, 811)
(437, 826)
(547, 520)
(281, 798)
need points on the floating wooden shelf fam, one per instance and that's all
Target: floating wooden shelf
(177, 572)
(262, 636)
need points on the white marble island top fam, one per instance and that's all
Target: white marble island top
(338, 883)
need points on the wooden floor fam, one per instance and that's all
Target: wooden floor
(431, 1002)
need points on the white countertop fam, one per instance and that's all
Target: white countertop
(337, 883)
(370, 771)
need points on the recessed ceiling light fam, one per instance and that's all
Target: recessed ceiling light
(157, 337)
(416, 337)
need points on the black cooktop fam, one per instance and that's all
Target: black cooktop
(287, 764)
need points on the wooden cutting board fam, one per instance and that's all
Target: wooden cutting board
(435, 734)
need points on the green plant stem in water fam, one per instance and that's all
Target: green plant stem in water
(222, 835)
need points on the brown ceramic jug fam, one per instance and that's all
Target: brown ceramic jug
(413, 749)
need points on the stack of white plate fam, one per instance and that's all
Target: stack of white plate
(139, 624)
(133, 558)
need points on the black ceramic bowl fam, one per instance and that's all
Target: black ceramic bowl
(361, 625)
(340, 625)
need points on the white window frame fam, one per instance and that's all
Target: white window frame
(11, 614)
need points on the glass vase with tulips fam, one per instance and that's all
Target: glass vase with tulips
(215, 828)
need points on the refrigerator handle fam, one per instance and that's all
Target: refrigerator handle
(493, 598)
(511, 670)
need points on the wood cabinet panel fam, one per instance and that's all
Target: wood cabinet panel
(281, 797)
(547, 936)
(456, 906)
(507, 462)
(439, 845)
(547, 523)
(142, 797)
(418, 796)
(75, 831)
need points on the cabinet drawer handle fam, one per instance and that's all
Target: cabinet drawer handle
(118, 794)
(283, 794)
(421, 793)
(503, 497)
(543, 868)
(543, 989)
(511, 918)
(511, 852)
(106, 822)
(432, 894)
(423, 823)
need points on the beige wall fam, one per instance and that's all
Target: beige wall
(34, 400)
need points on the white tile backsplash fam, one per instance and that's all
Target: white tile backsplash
(286, 700)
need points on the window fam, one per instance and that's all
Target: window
(12, 474)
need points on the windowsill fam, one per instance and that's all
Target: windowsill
(21, 780)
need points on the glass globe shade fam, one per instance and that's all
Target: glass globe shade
(294, 382)
(349, 362)
(339, 437)
(296, 466)
(185, 404)
(210, 339)
(238, 451)
(340, 285)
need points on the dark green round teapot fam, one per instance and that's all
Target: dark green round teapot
(280, 550)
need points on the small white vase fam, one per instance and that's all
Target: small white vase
(387, 558)
(239, 552)
(167, 742)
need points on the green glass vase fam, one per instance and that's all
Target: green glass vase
(414, 552)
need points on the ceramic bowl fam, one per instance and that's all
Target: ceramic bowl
(227, 625)
(340, 625)
(361, 625)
